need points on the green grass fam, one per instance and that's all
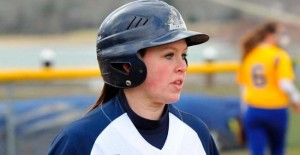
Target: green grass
(293, 138)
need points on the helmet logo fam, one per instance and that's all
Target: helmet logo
(175, 20)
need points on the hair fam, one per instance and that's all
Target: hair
(256, 36)
(108, 92)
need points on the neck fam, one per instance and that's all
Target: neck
(269, 40)
(143, 106)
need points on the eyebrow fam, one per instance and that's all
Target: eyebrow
(174, 48)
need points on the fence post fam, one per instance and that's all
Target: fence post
(10, 121)
(47, 58)
(209, 55)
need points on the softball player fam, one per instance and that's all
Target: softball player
(266, 77)
(141, 50)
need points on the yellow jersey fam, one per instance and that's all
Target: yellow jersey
(260, 73)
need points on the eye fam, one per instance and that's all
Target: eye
(184, 56)
(169, 55)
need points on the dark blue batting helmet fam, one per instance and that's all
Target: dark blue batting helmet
(135, 26)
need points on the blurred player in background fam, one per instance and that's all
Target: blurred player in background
(266, 80)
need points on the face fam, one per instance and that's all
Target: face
(166, 70)
(280, 37)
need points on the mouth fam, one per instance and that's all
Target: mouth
(178, 84)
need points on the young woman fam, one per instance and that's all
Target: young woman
(141, 50)
(266, 79)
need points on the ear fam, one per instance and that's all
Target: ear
(126, 67)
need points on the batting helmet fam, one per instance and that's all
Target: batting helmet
(135, 26)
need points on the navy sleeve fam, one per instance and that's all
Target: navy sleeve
(79, 137)
(76, 139)
(63, 145)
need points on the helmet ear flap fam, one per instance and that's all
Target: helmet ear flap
(115, 73)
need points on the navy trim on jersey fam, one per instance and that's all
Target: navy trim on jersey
(79, 137)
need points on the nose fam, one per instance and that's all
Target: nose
(181, 65)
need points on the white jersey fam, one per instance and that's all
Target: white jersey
(108, 130)
(121, 137)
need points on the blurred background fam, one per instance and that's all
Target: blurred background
(63, 32)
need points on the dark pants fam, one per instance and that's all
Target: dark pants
(266, 127)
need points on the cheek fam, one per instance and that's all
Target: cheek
(157, 77)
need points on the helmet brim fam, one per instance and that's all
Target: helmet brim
(192, 38)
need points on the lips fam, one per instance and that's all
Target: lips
(178, 84)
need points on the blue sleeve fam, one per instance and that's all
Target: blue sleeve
(75, 139)
(79, 137)
(62, 145)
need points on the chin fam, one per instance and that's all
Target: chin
(173, 98)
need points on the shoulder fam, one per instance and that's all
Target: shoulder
(95, 121)
(81, 132)
(265, 49)
(283, 54)
(279, 52)
(199, 127)
(282, 58)
(191, 120)
(84, 131)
